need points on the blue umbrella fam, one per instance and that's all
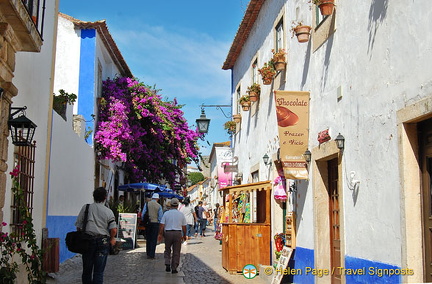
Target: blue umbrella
(141, 186)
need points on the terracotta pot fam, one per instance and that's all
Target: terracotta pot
(246, 105)
(302, 33)
(237, 118)
(280, 65)
(326, 7)
(254, 96)
(267, 81)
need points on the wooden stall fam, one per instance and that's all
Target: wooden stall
(246, 235)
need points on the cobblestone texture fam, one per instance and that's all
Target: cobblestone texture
(201, 262)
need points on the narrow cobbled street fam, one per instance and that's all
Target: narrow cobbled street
(201, 262)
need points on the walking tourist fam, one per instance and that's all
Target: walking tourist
(216, 216)
(202, 219)
(189, 213)
(173, 228)
(102, 226)
(155, 215)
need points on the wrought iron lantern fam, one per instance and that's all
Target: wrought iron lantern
(203, 122)
(21, 128)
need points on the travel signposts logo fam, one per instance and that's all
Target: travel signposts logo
(249, 271)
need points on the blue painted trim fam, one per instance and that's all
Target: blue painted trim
(87, 84)
(372, 271)
(58, 227)
(301, 258)
(367, 271)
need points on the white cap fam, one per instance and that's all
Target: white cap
(155, 195)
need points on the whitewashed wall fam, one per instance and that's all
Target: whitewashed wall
(72, 171)
(379, 61)
(33, 79)
(67, 59)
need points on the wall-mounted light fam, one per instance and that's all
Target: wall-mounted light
(239, 176)
(352, 182)
(340, 141)
(266, 160)
(22, 129)
(203, 122)
(308, 156)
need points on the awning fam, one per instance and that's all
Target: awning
(142, 186)
(249, 187)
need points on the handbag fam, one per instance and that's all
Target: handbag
(79, 241)
(146, 219)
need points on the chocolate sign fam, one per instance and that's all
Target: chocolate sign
(292, 113)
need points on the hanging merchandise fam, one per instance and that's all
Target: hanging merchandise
(279, 188)
(246, 218)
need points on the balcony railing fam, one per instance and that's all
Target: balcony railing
(36, 13)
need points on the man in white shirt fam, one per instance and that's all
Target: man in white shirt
(173, 228)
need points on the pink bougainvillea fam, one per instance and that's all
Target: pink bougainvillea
(150, 135)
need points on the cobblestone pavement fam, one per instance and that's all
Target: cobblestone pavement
(201, 262)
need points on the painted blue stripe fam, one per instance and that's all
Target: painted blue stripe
(373, 272)
(86, 89)
(58, 227)
(301, 258)
(367, 271)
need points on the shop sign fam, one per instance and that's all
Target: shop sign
(292, 113)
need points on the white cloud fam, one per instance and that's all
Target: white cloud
(183, 63)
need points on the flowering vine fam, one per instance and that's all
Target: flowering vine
(149, 135)
(25, 245)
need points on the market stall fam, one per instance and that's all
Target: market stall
(246, 226)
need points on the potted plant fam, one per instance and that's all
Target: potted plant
(60, 102)
(279, 60)
(237, 118)
(267, 72)
(326, 6)
(244, 101)
(301, 31)
(254, 92)
(230, 126)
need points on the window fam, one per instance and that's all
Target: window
(238, 99)
(279, 36)
(24, 158)
(255, 176)
(324, 27)
(318, 17)
(255, 71)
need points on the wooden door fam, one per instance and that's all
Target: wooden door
(334, 216)
(425, 143)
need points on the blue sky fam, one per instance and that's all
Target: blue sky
(179, 46)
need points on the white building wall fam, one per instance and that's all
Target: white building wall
(34, 79)
(67, 59)
(378, 61)
(72, 171)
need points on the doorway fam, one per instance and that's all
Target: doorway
(334, 218)
(425, 143)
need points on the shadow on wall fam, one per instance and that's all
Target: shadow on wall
(301, 191)
(377, 14)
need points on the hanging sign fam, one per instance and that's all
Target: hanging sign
(224, 155)
(292, 112)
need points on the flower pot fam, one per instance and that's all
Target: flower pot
(267, 81)
(280, 65)
(237, 118)
(246, 105)
(326, 7)
(254, 96)
(302, 33)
